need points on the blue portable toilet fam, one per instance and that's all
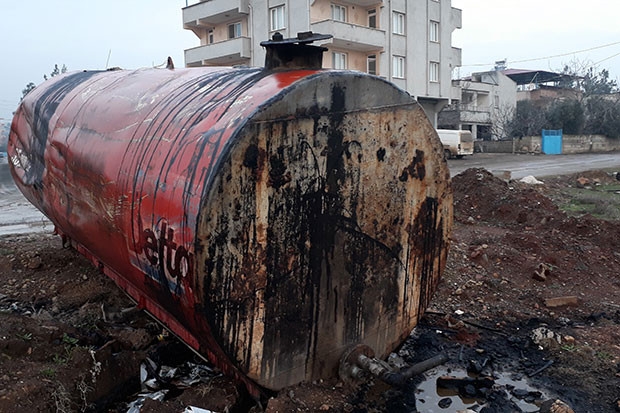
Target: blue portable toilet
(552, 141)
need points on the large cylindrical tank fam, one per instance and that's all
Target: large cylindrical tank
(270, 218)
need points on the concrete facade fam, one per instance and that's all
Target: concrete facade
(408, 42)
(488, 102)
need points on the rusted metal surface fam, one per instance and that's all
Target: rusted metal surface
(271, 219)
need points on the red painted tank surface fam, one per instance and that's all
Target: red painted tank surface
(270, 218)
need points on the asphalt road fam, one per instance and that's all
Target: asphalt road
(538, 166)
(17, 215)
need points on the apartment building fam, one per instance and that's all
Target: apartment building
(408, 42)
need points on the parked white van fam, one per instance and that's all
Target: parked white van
(456, 143)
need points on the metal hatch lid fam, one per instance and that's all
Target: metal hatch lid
(295, 52)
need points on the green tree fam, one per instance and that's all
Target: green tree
(568, 115)
(603, 115)
(27, 90)
(528, 120)
(56, 71)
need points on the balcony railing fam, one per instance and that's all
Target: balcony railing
(468, 113)
(213, 12)
(226, 53)
(366, 3)
(351, 36)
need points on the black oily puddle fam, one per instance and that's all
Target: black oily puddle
(465, 391)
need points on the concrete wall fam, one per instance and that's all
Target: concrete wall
(570, 144)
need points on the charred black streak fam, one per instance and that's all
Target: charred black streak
(250, 157)
(426, 239)
(381, 154)
(220, 87)
(43, 110)
(278, 175)
(416, 169)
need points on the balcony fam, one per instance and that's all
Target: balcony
(226, 53)
(213, 12)
(457, 56)
(366, 3)
(351, 36)
(468, 114)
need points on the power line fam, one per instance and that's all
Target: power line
(607, 58)
(554, 56)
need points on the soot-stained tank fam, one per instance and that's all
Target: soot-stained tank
(271, 218)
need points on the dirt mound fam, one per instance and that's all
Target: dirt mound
(480, 196)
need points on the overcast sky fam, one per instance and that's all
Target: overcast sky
(523, 30)
(37, 34)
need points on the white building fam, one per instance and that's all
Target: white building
(408, 42)
(486, 107)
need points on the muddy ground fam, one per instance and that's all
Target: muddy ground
(71, 341)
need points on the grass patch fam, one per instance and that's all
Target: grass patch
(602, 202)
(5, 252)
(49, 373)
(25, 336)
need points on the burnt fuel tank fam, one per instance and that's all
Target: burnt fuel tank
(271, 218)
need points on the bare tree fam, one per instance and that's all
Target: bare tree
(502, 121)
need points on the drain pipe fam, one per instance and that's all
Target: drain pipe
(359, 361)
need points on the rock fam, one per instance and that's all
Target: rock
(445, 403)
(582, 181)
(572, 300)
(503, 174)
(35, 262)
(555, 406)
(538, 276)
(569, 339)
(470, 390)
(542, 272)
(324, 407)
(396, 361)
(544, 337)
(520, 393)
(466, 386)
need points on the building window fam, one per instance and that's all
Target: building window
(371, 64)
(339, 13)
(398, 23)
(210, 38)
(398, 67)
(372, 18)
(234, 30)
(434, 31)
(433, 72)
(339, 60)
(277, 18)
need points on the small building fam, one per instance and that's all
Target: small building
(487, 104)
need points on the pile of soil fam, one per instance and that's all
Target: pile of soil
(518, 266)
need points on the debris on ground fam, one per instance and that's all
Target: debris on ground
(70, 340)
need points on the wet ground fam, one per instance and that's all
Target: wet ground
(17, 215)
(70, 340)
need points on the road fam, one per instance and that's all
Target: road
(17, 215)
(538, 166)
